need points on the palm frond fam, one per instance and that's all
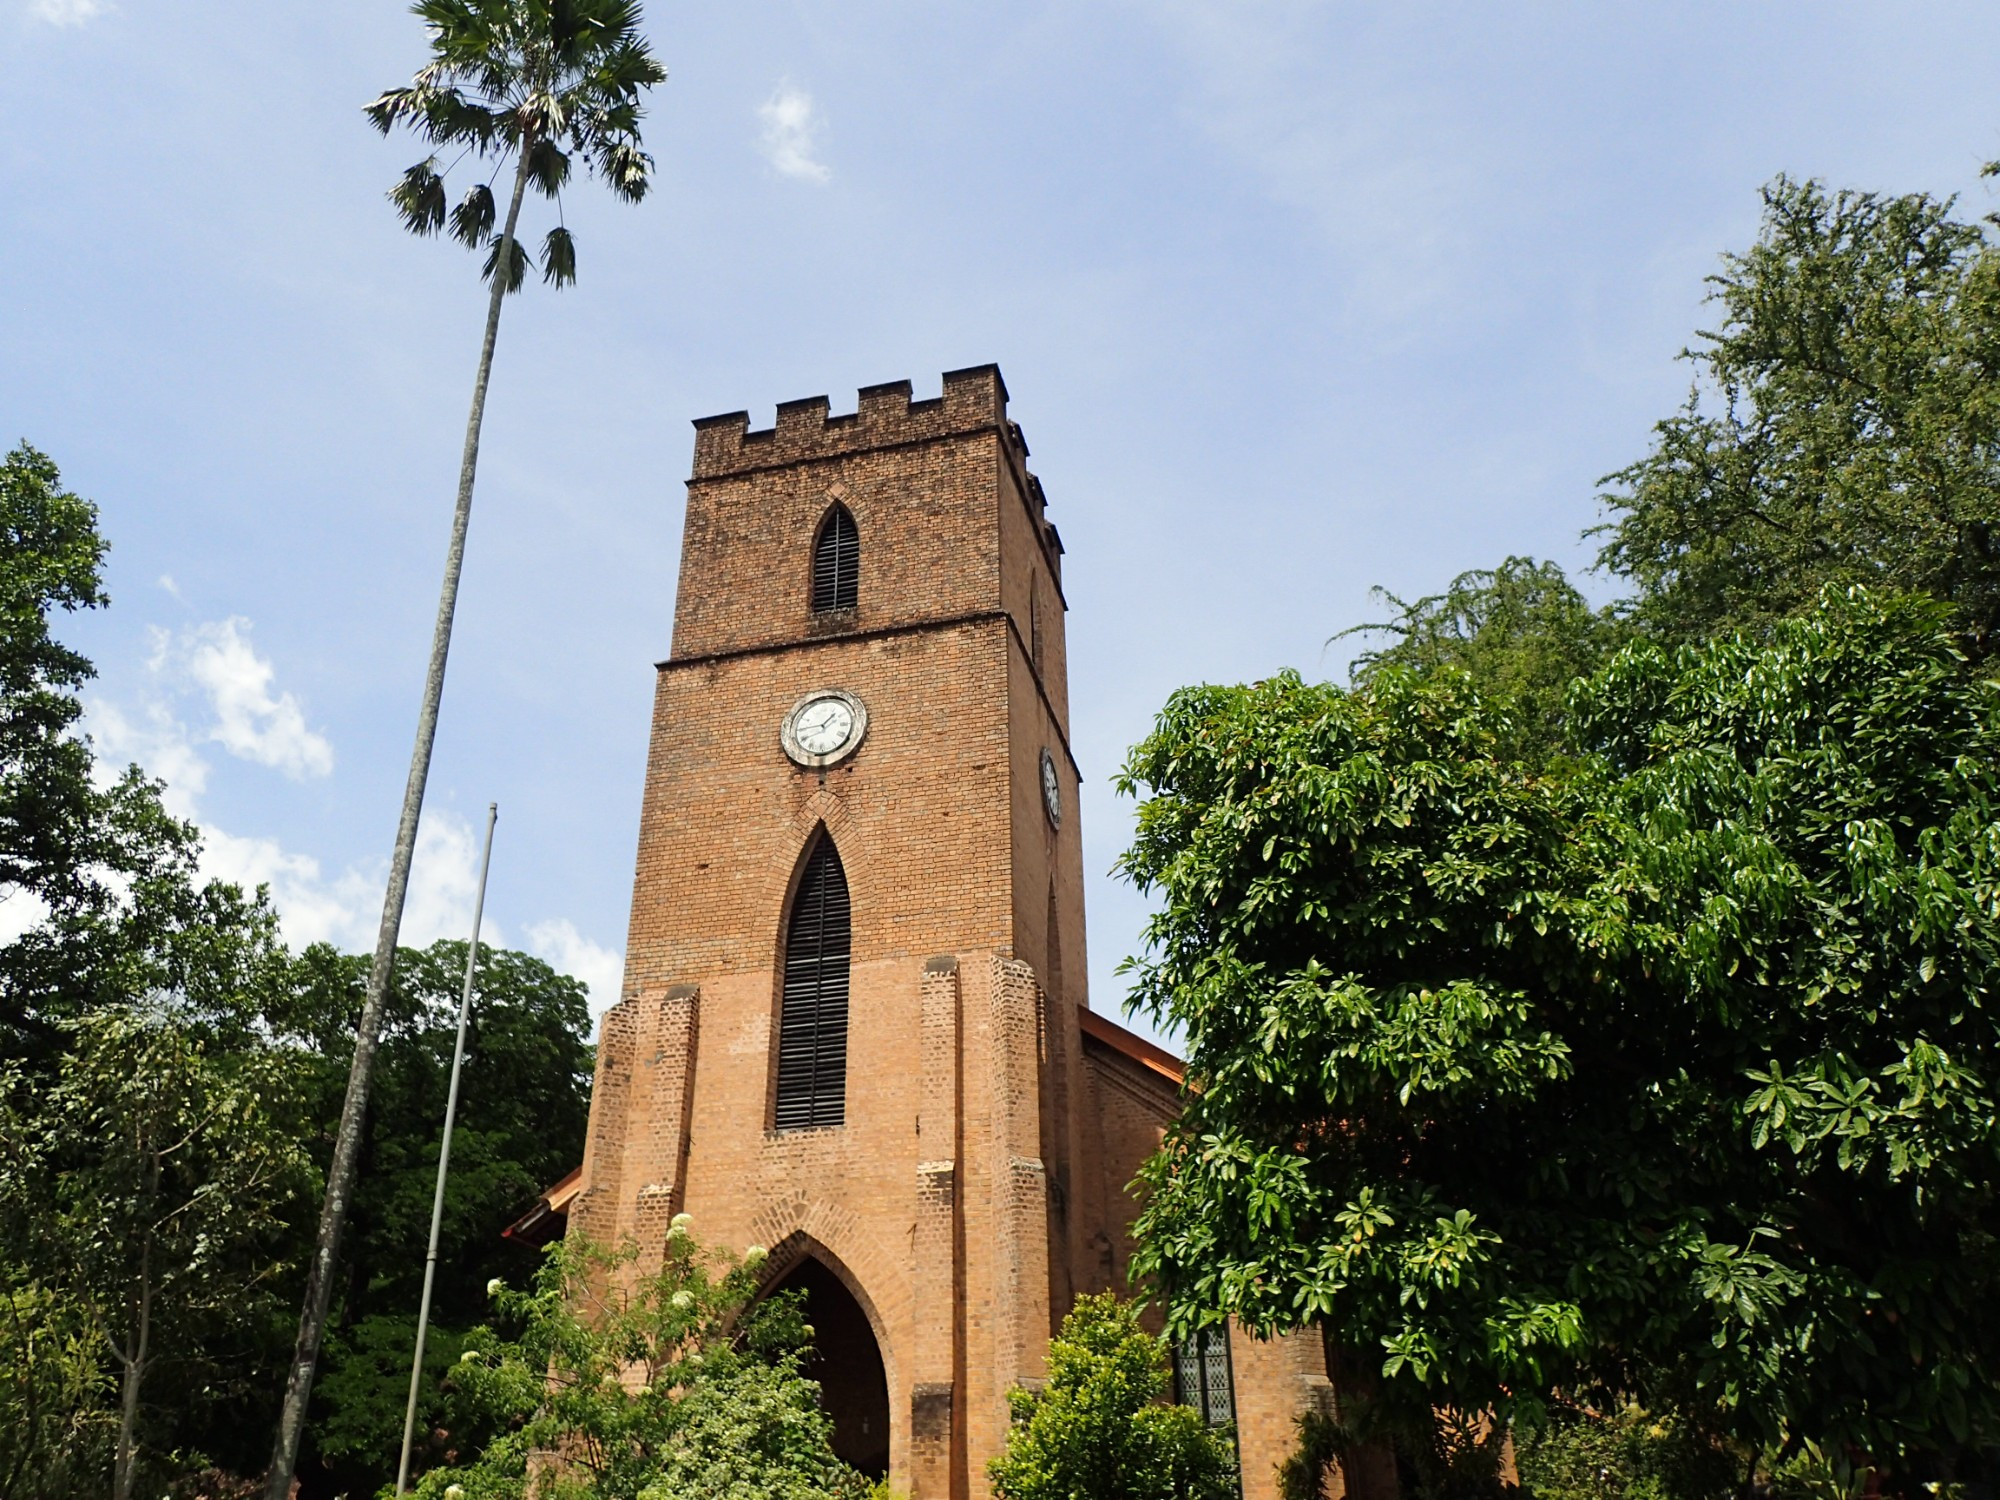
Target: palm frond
(561, 80)
(626, 170)
(548, 167)
(389, 107)
(449, 116)
(559, 258)
(472, 220)
(518, 264)
(419, 198)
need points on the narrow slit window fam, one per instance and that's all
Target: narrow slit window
(1035, 621)
(812, 1022)
(836, 580)
(1202, 1375)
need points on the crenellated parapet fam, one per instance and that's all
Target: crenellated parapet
(974, 400)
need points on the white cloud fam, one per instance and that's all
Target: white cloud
(345, 909)
(444, 883)
(791, 133)
(20, 911)
(601, 969)
(311, 907)
(166, 581)
(158, 741)
(67, 12)
(251, 722)
(215, 663)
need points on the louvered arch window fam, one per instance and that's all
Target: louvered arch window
(836, 562)
(812, 1021)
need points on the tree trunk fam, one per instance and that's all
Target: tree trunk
(353, 1114)
(134, 1357)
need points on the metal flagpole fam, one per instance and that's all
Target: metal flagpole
(444, 1155)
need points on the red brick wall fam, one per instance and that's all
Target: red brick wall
(978, 1182)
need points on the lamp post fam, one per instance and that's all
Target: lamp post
(444, 1155)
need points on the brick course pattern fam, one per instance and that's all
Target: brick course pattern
(980, 1180)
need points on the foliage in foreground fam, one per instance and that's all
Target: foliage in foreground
(1631, 1454)
(1098, 1428)
(623, 1384)
(169, 1082)
(166, 1233)
(1670, 1073)
(523, 1108)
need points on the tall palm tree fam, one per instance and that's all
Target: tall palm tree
(538, 84)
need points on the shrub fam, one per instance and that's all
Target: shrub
(1098, 1427)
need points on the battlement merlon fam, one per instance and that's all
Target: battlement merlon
(974, 400)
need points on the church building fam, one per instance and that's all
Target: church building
(853, 1027)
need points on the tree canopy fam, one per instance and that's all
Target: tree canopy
(1843, 428)
(523, 1109)
(1521, 630)
(170, 1082)
(1671, 1070)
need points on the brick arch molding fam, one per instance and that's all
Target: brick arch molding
(836, 1238)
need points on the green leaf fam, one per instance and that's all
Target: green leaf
(517, 262)
(472, 220)
(559, 258)
(419, 198)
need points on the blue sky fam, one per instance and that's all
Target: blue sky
(1293, 299)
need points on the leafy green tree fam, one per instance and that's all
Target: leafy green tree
(110, 915)
(540, 83)
(1521, 631)
(1843, 428)
(675, 1384)
(57, 1401)
(149, 1183)
(50, 561)
(1629, 1454)
(523, 1110)
(102, 881)
(1099, 1427)
(1671, 1071)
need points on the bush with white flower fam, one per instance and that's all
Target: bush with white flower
(676, 1384)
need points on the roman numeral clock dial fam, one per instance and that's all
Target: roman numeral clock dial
(823, 728)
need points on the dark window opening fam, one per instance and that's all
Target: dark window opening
(1035, 621)
(1202, 1377)
(836, 563)
(847, 1363)
(812, 1022)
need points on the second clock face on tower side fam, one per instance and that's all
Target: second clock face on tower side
(823, 727)
(1051, 790)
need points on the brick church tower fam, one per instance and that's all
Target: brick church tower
(853, 1027)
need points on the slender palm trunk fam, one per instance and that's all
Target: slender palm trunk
(353, 1114)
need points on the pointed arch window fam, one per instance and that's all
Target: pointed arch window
(812, 1021)
(836, 573)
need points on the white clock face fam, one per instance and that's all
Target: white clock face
(823, 727)
(1051, 789)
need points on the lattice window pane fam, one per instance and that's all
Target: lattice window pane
(1202, 1377)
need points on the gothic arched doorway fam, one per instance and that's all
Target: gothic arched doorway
(847, 1363)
